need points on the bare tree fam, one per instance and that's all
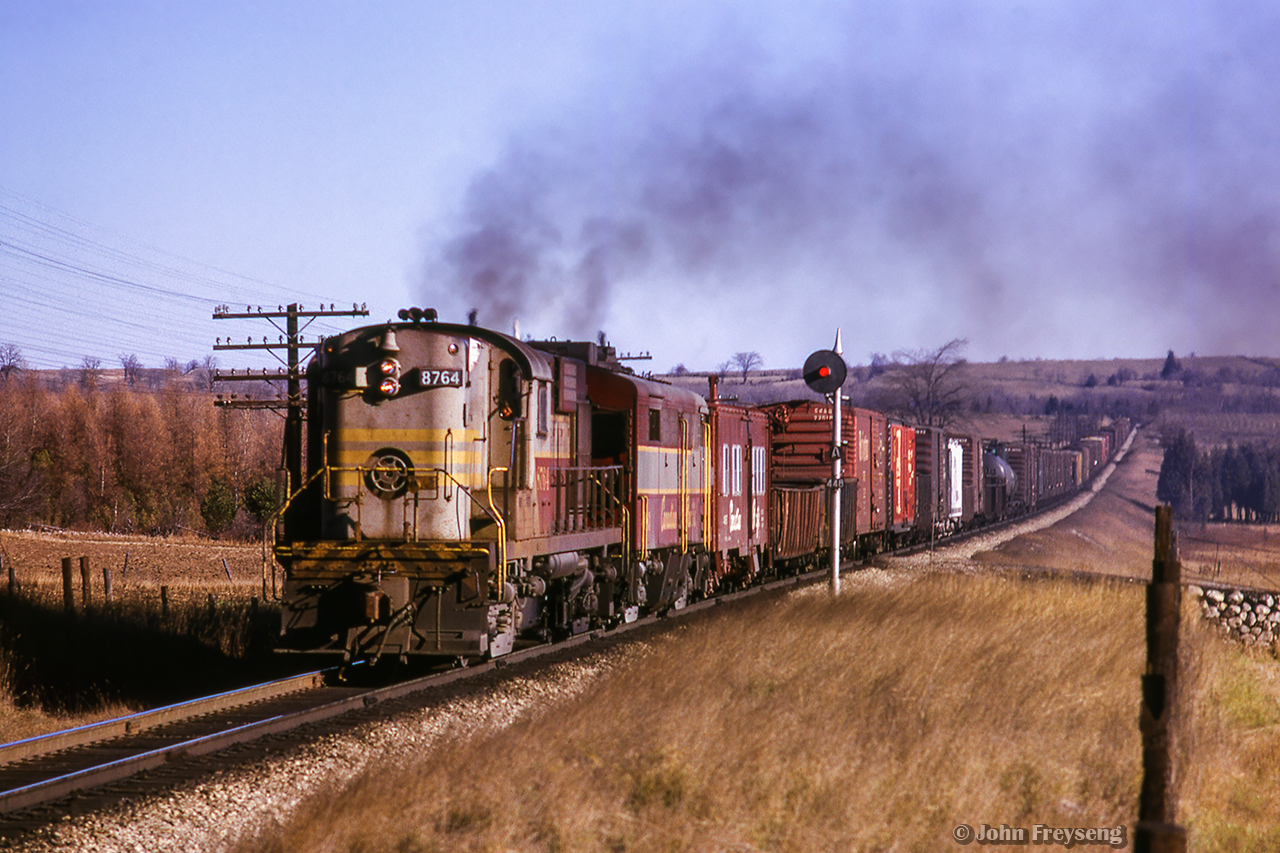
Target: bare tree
(132, 369)
(206, 372)
(11, 360)
(747, 361)
(928, 384)
(90, 371)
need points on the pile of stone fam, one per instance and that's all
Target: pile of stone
(1249, 615)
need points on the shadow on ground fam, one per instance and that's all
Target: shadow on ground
(78, 662)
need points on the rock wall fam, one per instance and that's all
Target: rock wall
(1247, 614)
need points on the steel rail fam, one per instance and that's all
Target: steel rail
(35, 747)
(47, 790)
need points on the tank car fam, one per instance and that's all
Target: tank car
(464, 490)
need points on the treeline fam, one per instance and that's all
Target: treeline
(122, 459)
(1232, 483)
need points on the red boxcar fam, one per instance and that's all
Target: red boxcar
(802, 466)
(867, 451)
(739, 445)
(931, 481)
(1022, 460)
(902, 476)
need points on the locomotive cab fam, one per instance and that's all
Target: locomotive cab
(420, 512)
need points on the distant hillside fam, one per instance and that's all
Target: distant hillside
(1220, 398)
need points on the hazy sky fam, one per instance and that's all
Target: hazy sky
(1057, 178)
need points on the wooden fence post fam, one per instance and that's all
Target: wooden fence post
(13, 576)
(1156, 831)
(85, 595)
(68, 588)
(107, 595)
(164, 602)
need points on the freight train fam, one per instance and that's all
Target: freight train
(465, 491)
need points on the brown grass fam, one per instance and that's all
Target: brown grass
(59, 670)
(875, 721)
(1231, 787)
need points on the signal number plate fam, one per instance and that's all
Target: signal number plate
(430, 377)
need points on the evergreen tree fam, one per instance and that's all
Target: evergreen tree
(1175, 485)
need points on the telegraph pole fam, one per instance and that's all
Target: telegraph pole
(292, 343)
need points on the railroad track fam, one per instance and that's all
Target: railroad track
(43, 771)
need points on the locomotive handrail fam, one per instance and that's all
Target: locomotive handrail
(577, 505)
(708, 454)
(269, 530)
(626, 514)
(682, 480)
(643, 502)
(502, 526)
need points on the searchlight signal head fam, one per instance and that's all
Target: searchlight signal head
(825, 371)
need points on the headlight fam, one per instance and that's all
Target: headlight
(389, 372)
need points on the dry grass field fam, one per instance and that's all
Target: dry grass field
(59, 670)
(877, 721)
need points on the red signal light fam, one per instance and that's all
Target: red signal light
(824, 371)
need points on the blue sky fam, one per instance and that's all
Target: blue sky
(1060, 178)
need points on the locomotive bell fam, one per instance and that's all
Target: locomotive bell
(389, 342)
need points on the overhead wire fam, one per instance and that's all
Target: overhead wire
(76, 291)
